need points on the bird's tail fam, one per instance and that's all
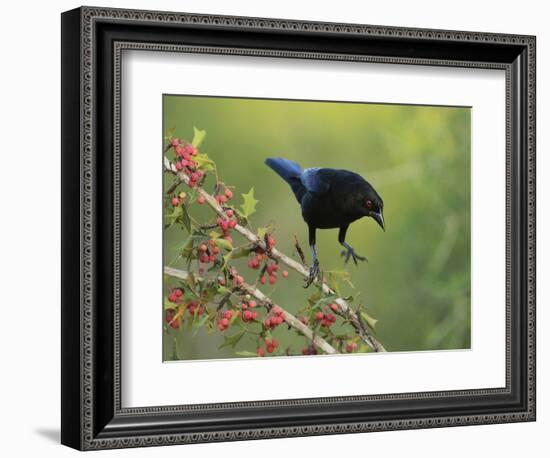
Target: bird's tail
(286, 169)
(289, 171)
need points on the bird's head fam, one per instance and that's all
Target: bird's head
(373, 206)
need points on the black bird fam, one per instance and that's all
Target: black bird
(330, 198)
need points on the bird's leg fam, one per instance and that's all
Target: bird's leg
(349, 251)
(314, 270)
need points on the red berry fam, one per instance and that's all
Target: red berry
(252, 304)
(331, 318)
(221, 199)
(262, 279)
(190, 149)
(173, 297)
(239, 280)
(228, 314)
(179, 150)
(232, 223)
(272, 279)
(179, 166)
(319, 315)
(169, 316)
(277, 310)
(247, 315)
(175, 201)
(229, 213)
(334, 307)
(254, 315)
(204, 258)
(175, 142)
(228, 193)
(285, 273)
(201, 200)
(224, 322)
(260, 351)
(178, 292)
(203, 247)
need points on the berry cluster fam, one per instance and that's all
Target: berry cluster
(179, 199)
(227, 222)
(184, 160)
(195, 306)
(275, 318)
(223, 198)
(258, 257)
(351, 347)
(247, 314)
(309, 350)
(326, 319)
(238, 280)
(170, 317)
(270, 345)
(224, 320)
(175, 295)
(208, 252)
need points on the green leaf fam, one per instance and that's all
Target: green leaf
(261, 232)
(335, 277)
(169, 305)
(231, 341)
(198, 137)
(214, 235)
(245, 353)
(226, 259)
(369, 319)
(185, 218)
(222, 243)
(240, 253)
(222, 290)
(249, 204)
(204, 162)
(176, 213)
(170, 133)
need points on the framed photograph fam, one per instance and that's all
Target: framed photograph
(277, 228)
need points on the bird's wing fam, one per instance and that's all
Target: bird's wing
(313, 181)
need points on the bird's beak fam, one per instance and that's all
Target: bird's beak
(379, 218)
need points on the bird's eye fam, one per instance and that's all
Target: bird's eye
(368, 203)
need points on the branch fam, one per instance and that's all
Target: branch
(362, 330)
(290, 319)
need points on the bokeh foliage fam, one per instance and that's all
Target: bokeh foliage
(417, 279)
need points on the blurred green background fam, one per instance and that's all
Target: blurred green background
(417, 279)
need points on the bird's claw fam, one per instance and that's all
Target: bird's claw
(350, 253)
(314, 272)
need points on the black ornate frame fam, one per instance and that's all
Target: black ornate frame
(92, 42)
